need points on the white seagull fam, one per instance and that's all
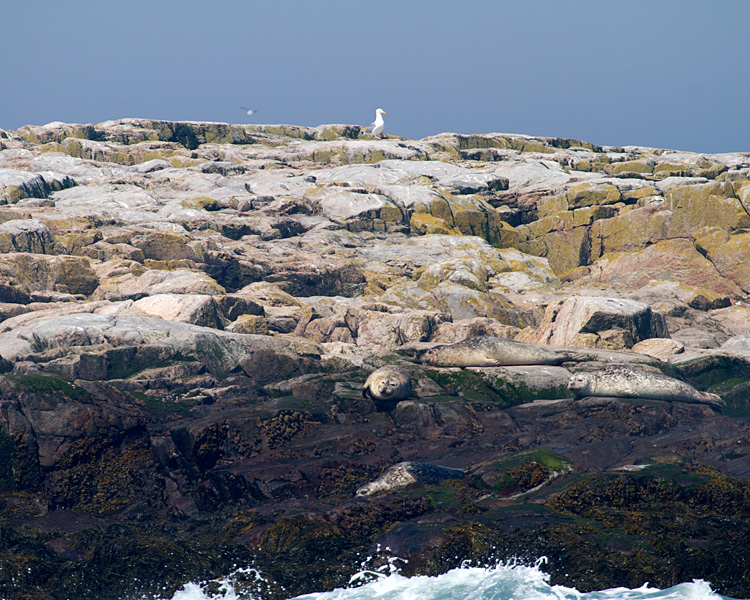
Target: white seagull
(377, 126)
(249, 111)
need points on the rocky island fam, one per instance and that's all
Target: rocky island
(189, 312)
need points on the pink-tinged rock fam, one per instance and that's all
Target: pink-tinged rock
(133, 285)
(198, 309)
(670, 260)
(452, 332)
(733, 319)
(573, 322)
(633, 229)
(382, 330)
(728, 253)
(661, 348)
(698, 298)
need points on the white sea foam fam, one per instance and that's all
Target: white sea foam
(502, 582)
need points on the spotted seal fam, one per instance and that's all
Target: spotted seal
(388, 384)
(490, 351)
(406, 473)
(623, 382)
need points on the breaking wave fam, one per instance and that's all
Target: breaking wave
(506, 581)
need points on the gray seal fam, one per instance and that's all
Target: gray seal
(388, 384)
(622, 382)
(490, 351)
(407, 473)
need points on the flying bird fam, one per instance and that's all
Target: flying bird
(249, 111)
(377, 126)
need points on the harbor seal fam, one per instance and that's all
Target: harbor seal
(622, 382)
(388, 384)
(490, 351)
(406, 473)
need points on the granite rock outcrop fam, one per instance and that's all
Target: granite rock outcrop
(189, 311)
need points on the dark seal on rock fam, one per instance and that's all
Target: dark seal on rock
(388, 384)
(406, 473)
(490, 351)
(622, 382)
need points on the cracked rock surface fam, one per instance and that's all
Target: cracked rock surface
(188, 312)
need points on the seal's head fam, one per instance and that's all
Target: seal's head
(434, 356)
(428, 357)
(388, 387)
(579, 384)
(370, 488)
(388, 384)
(365, 490)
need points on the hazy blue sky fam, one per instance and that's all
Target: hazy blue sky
(663, 73)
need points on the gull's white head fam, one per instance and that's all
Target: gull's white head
(380, 111)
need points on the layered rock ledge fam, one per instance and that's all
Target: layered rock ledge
(188, 312)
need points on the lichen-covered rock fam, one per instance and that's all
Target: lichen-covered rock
(188, 312)
(40, 272)
(668, 260)
(253, 324)
(105, 251)
(139, 283)
(166, 246)
(631, 230)
(424, 223)
(26, 235)
(565, 249)
(369, 212)
(534, 272)
(733, 318)
(15, 185)
(465, 271)
(728, 253)
(704, 205)
(696, 297)
(587, 194)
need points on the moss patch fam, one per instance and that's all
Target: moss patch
(47, 384)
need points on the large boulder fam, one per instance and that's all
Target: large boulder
(386, 328)
(198, 309)
(590, 321)
(41, 272)
(16, 185)
(26, 235)
(136, 282)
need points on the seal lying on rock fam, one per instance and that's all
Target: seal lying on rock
(406, 473)
(622, 382)
(490, 351)
(388, 384)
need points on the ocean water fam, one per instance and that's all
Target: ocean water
(501, 582)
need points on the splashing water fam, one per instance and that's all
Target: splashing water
(242, 584)
(502, 582)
